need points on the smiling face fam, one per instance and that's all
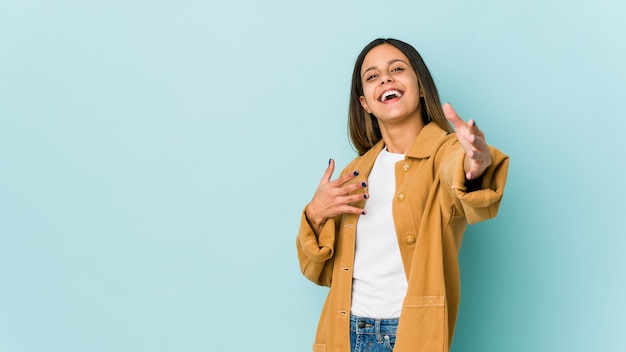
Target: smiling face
(390, 86)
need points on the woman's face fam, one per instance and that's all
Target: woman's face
(390, 86)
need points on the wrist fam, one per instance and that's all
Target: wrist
(315, 222)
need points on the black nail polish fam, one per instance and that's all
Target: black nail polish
(363, 212)
(363, 184)
(329, 160)
(356, 173)
(365, 196)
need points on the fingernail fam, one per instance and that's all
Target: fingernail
(356, 173)
(363, 184)
(363, 212)
(365, 196)
(329, 160)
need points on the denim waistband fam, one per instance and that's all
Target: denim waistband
(362, 325)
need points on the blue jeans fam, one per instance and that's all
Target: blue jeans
(372, 335)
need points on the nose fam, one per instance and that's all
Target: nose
(385, 79)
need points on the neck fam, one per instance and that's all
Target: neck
(400, 138)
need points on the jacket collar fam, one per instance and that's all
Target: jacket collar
(427, 141)
(424, 145)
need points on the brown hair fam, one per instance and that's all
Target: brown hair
(363, 127)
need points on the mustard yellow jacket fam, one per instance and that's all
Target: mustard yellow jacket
(432, 206)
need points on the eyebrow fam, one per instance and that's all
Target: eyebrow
(390, 62)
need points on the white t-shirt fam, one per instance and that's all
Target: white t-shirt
(378, 283)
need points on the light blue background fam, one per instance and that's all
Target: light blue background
(155, 157)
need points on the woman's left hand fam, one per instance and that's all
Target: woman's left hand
(477, 153)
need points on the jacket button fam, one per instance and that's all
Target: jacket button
(406, 167)
(401, 196)
(409, 239)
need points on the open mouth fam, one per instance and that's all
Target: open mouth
(390, 94)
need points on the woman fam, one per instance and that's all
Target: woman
(385, 235)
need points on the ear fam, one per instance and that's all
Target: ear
(364, 104)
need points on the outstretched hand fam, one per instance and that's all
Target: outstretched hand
(477, 154)
(333, 198)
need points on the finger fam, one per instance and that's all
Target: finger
(467, 141)
(357, 197)
(473, 127)
(471, 154)
(329, 171)
(478, 163)
(478, 142)
(352, 187)
(474, 139)
(452, 116)
(479, 149)
(340, 181)
(473, 170)
(348, 209)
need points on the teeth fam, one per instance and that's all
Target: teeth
(390, 93)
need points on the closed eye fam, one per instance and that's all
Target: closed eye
(370, 77)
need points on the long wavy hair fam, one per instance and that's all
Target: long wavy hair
(363, 127)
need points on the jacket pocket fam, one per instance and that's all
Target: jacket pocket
(319, 347)
(422, 324)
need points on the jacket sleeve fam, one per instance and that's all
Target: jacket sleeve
(482, 200)
(315, 253)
